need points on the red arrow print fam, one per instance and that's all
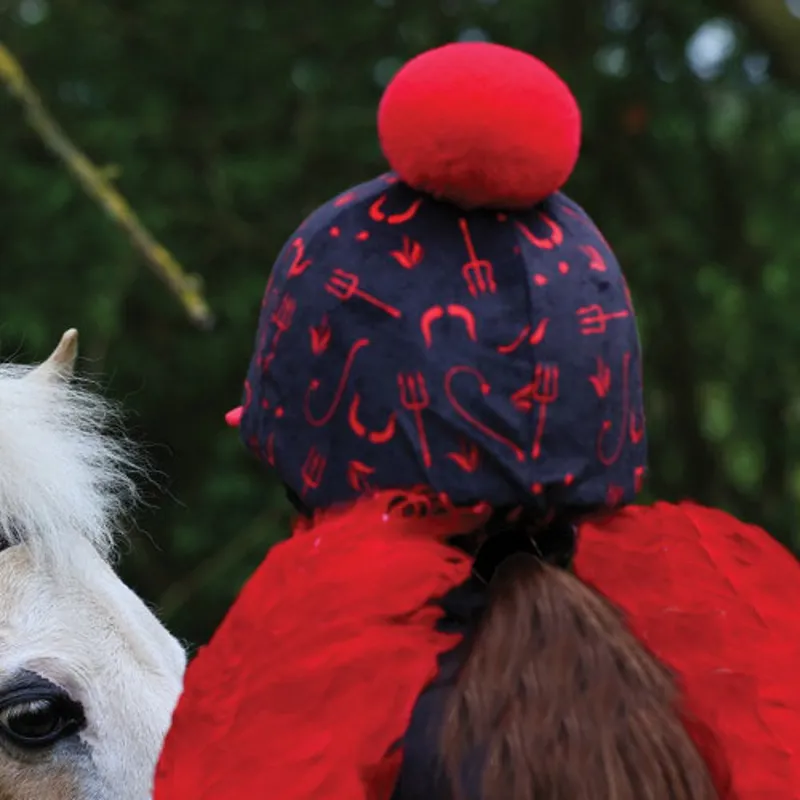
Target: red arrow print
(468, 458)
(320, 336)
(596, 261)
(601, 380)
(410, 255)
(636, 430)
(357, 474)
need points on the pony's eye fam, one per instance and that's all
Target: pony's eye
(41, 721)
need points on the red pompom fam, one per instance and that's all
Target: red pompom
(481, 125)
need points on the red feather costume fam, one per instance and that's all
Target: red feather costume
(309, 685)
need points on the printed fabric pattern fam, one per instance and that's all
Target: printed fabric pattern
(492, 356)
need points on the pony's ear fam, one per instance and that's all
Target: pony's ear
(61, 362)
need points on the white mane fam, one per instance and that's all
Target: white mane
(62, 472)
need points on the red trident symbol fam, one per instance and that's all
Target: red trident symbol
(313, 470)
(477, 272)
(593, 319)
(542, 391)
(415, 398)
(283, 318)
(344, 286)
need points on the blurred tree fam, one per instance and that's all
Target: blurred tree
(224, 124)
(776, 25)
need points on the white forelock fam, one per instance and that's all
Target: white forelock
(64, 472)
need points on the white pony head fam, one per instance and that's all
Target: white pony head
(88, 676)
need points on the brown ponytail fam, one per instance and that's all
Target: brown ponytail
(561, 702)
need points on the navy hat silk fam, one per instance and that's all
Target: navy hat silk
(492, 357)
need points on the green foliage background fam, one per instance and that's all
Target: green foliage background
(226, 123)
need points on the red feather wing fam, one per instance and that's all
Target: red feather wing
(719, 601)
(312, 677)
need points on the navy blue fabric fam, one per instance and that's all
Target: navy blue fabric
(491, 356)
(422, 775)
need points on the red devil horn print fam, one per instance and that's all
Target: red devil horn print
(360, 430)
(377, 214)
(319, 422)
(435, 313)
(428, 318)
(611, 457)
(465, 415)
(467, 317)
(555, 238)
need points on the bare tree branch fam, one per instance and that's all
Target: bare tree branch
(97, 185)
(775, 28)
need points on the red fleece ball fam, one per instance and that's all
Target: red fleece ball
(480, 125)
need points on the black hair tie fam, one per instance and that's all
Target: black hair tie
(553, 543)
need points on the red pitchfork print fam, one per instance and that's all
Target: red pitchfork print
(542, 391)
(344, 286)
(594, 319)
(313, 470)
(477, 272)
(415, 398)
(283, 318)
